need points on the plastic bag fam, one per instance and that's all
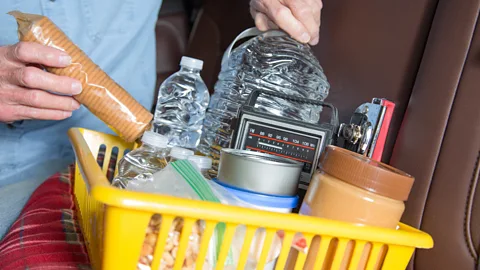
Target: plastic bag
(101, 95)
(181, 179)
(258, 240)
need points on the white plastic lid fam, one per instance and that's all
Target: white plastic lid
(191, 62)
(180, 153)
(203, 163)
(155, 139)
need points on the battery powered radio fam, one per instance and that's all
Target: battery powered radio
(280, 136)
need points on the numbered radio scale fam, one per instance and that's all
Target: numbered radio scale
(282, 143)
(280, 136)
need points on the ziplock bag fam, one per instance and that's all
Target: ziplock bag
(181, 179)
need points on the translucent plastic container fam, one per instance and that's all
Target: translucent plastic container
(352, 188)
(202, 163)
(182, 101)
(141, 163)
(178, 153)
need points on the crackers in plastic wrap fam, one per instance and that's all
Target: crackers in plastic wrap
(101, 94)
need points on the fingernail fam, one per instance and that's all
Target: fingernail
(65, 60)
(314, 41)
(76, 88)
(75, 105)
(67, 114)
(305, 38)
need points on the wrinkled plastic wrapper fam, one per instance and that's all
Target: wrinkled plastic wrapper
(173, 181)
(101, 94)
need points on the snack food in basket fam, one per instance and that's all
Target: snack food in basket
(101, 94)
(180, 179)
(171, 246)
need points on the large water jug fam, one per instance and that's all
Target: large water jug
(270, 61)
(182, 101)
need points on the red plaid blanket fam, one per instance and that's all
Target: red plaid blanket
(47, 234)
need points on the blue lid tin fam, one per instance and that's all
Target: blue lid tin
(261, 199)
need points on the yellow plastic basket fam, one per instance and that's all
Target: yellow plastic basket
(114, 221)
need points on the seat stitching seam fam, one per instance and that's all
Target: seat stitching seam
(469, 207)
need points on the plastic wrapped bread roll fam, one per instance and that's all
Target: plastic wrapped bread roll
(101, 95)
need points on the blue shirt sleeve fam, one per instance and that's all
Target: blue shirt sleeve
(118, 35)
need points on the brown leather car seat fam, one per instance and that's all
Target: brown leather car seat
(172, 30)
(425, 56)
(441, 128)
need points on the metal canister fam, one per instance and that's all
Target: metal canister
(258, 172)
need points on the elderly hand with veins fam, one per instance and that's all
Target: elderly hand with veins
(299, 18)
(29, 92)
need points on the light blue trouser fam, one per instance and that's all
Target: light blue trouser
(13, 197)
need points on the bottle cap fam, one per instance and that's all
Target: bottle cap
(155, 139)
(365, 173)
(203, 163)
(191, 63)
(180, 153)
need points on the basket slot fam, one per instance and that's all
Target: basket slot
(267, 244)
(342, 254)
(286, 243)
(377, 254)
(207, 234)
(226, 243)
(121, 154)
(100, 159)
(359, 256)
(299, 265)
(161, 240)
(99, 145)
(247, 242)
(112, 164)
(323, 245)
(184, 240)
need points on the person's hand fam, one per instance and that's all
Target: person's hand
(26, 91)
(299, 18)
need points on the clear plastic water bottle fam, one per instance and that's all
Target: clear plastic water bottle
(178, 153)
(270, 61)
(203, 164)
(182, 101)
(141, 163)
